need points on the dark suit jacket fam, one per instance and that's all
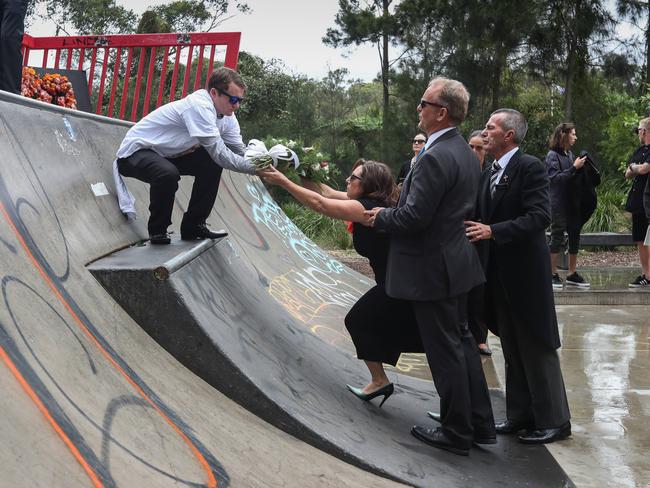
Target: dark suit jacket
(430, 257)
(518, 255)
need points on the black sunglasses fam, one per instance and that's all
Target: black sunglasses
(231, 98)
(424, 103)
(355, 177)
(419, 141)
(638, 129)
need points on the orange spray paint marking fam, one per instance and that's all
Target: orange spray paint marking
(57, 428)
(211, 480)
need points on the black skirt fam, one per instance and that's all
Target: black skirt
(382, 327)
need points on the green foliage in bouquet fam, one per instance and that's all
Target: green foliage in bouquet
(314, 165)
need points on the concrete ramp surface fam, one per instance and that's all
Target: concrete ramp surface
(131, 382)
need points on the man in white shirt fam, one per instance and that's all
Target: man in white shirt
(199, 136)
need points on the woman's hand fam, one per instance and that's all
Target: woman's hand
(275, 177)
(579, 162)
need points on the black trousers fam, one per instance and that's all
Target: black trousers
(465, 405)
(476, 314)
(163, 175)
(534, 385)
(12, 27)
(382, 327)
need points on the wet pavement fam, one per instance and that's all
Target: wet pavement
(606, 364)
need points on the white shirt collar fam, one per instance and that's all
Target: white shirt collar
(435, 136)
(505, 159)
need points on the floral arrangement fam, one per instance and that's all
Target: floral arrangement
(51, 88)
(313, 165)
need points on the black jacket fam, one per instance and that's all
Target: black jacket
(573, 191)
(430, 257)
(518, 255)
(635, 202)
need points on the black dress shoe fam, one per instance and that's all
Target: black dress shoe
(386, 391)
(163, 238)
(436, 438)
(512, 427)
(485, 438)
(199, 232)
(544, 436)
(479, 437)
(435, 416)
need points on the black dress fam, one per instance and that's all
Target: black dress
(381, 327)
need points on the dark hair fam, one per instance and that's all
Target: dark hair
(475, 133)
(559, 140)
(221, 78)
(377, 182)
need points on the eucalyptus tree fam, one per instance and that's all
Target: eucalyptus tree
(638, 11)
(370, 21)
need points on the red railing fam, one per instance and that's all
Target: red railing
(110, 65)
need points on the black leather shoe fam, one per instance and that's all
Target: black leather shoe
(163, 238)
(544, 436)
(485, 438)
(436, 438)
(479, 438)
(386, 391)
(199, 232)
(512, 427)
(435, 416)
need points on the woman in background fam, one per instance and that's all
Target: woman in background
(567, 178)
(381, 327)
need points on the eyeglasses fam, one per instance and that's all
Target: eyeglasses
(419, 141)
(231, 98)
(355, 177)
(638, 129)
(424, 103)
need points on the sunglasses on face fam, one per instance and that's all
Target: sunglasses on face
(355, 177)
(231, 98)
(418, 141)
(424, 103)
(638, 130)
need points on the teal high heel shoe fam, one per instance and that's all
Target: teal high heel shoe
(386, 391)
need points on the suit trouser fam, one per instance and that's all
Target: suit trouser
(534, 385)
(163, 174)
(12, 26)
(456, 369)
(476, 314)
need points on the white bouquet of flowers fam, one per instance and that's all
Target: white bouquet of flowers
(279, 156)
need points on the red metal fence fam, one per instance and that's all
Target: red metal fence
(115, 66)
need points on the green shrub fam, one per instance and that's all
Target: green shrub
(324, 231)
(609, 215)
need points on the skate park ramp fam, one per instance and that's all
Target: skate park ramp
(218, 363)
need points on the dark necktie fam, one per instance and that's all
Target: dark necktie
(493, 177)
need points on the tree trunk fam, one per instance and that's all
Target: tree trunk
(499, 63)
(647, 51)
(384, 81)
(568, 86)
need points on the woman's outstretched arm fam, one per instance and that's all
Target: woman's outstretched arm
(323, 189)
(337, 209)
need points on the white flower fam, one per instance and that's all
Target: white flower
(315, 167)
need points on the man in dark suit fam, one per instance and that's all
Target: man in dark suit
(514, 211)
(432, 264)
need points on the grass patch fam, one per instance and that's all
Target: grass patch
(326, 232)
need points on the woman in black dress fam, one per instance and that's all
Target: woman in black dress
(381, 327)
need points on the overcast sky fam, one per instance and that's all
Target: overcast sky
(290, 30)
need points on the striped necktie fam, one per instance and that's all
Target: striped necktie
(493, 177)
